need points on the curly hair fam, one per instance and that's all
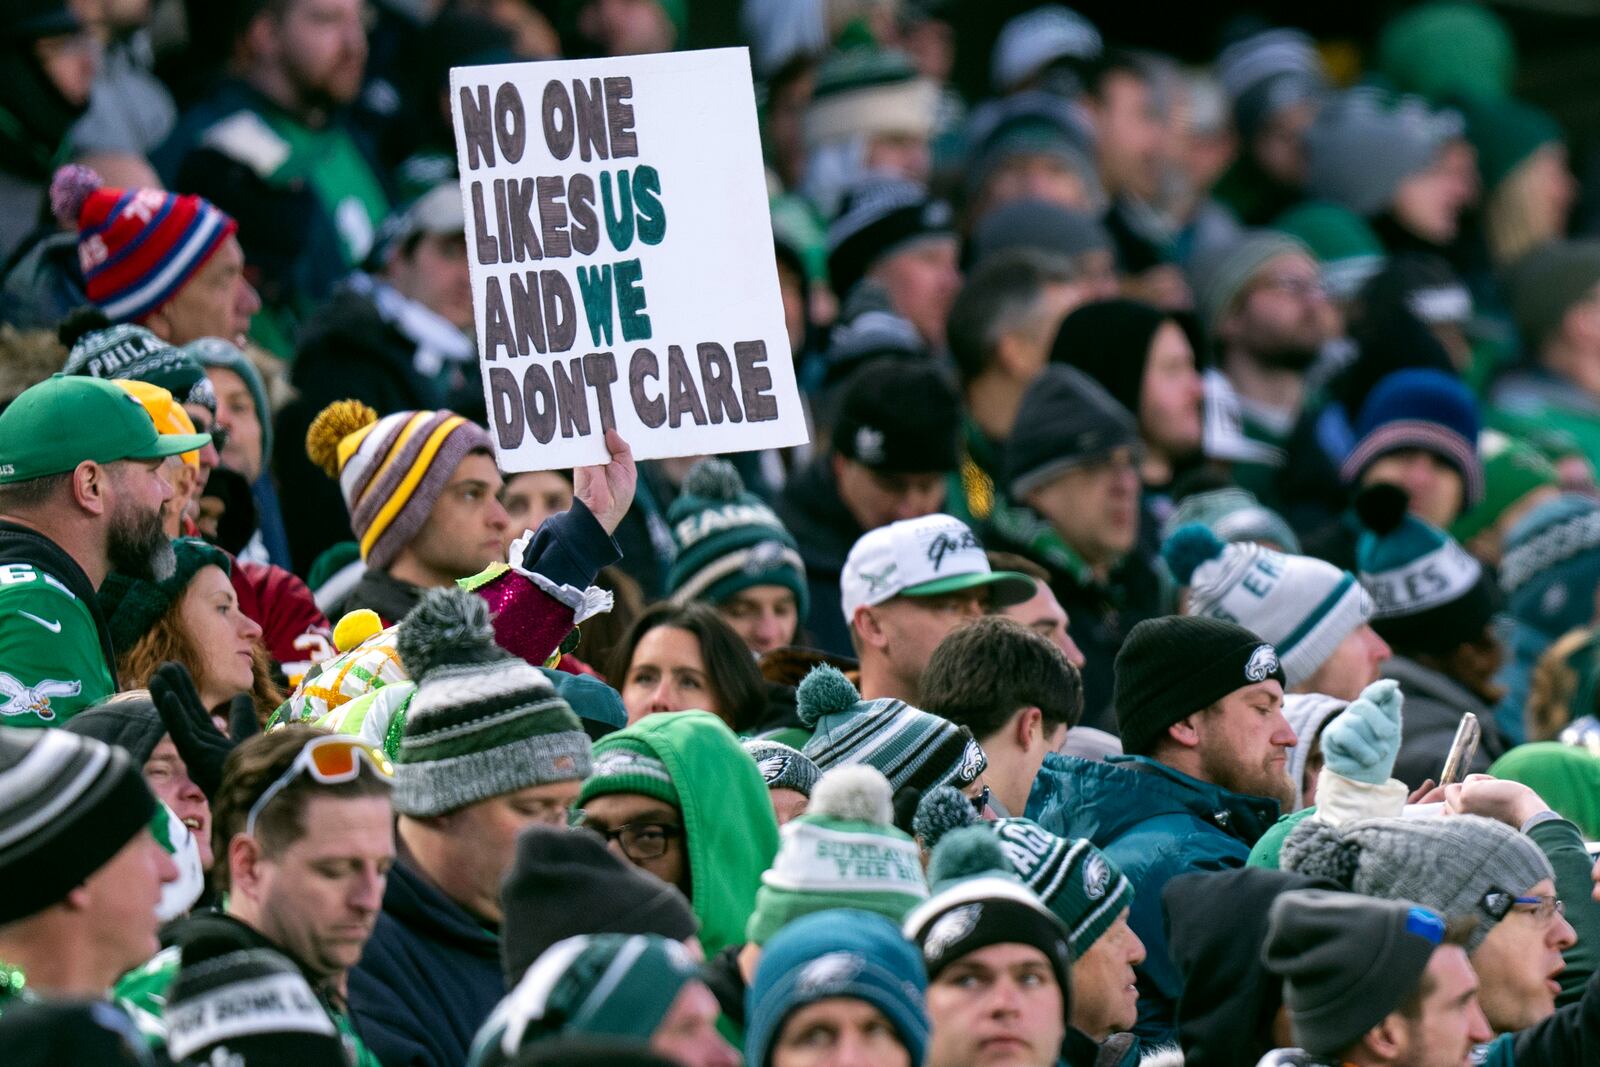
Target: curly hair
(168, 640)
(1555, 684)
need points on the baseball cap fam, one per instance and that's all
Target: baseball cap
(927, 556)
(66, 419)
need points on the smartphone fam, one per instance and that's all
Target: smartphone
(1458, 763)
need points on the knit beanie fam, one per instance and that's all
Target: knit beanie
(1232, 514)
(1076, 881)
(781, 766)
(1551, 567)
(1364, 143)
(246, 1007)
(1350, 253)
(129, 351)
(1442, 48)
(1030, 124)
(1220, 274)
(1266, 72)
(1421, 408)
(50, 1033)
(1347, 961)
(844, 852)
(881, 216)
(1066, 419)
(390, 470)
(128, 721)
(906, 745)
(133, 606)
(549, 894)
(1505, 132)
(1109, 340)
(1430, 595)
(863, 92)
(1177, 665)
(136, 247)
(598, 705)
(168, 416)
(853, 955)
(899, 417)
(1032, 41)
(1302, 605)
(624, 763)
(1041, 225)
(617, 985)
(1452, 864)
(483, 723)
(728, 539)
(978, 902)
(1544, 284)
(225, 355)
(1511, 471)
(97, 801)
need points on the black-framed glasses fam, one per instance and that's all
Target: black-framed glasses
(1498, 905)
(639, 840)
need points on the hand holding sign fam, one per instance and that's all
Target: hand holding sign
(622, 266)
(607, 491)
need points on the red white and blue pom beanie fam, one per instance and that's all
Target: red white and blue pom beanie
(136, 247)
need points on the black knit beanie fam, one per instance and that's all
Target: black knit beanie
(552, 890)
(246, 1007)
(1109, 340)
(1171, 667)
(131, 723)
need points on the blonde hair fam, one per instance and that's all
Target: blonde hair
(1509, 217)
(1553, 685)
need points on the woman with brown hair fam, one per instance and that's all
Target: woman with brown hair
(683, 657)
(192, 618)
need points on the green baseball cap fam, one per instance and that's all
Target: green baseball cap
(66, 419)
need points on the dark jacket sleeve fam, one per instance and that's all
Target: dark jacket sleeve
(1563, 845)
(570, 547)
(1570, 1036)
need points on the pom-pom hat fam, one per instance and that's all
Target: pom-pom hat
(728, 540)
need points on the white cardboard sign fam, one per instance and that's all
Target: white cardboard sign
(621, 256)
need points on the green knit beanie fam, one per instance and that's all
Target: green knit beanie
(626, 764)
(1511, 470)
(1546, 282)
(1344, 244)
(844, 852)
(483, 723)
(1440, 49)
(729, 540)
(133, 606)
(1505, 132)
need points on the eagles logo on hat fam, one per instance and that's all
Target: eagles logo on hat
(928, 556)
(836, 968)
(1263, 661)
(973, 761)
(869, 445)
(951, 928)
(1096, 876)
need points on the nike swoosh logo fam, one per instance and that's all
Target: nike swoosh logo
(53, 627)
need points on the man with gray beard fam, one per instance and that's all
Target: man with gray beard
(80, 496)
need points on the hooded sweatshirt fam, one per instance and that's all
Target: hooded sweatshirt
(730, 831)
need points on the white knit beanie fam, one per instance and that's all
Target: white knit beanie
(1303, 606)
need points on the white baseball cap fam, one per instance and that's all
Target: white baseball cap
(927, 556)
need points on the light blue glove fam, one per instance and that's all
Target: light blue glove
(1362, 741)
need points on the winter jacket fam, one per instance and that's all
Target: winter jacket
(55, 651)
(1080, 1050)
(142, 992)
(293, 629)
(429, 977)
(1155, 823)
(826, 531)
(370, 344)
(1434, 706)
(729, 830)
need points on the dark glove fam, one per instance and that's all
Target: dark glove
(240, 712)
(199, 742)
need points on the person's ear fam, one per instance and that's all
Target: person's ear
(1028, 728)
(869, 625)
(246, 864)
(90, 483)
(1389, 1040)
(1186, 731)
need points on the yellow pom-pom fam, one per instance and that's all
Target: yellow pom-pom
(337, 421)
(355, 628)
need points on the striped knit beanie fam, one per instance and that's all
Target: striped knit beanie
(390, 470)
(1424, 409)
(133, 352)
(229, 1004)
(67, 805)
(782, 766)
(729, 540)
(483, 723)
(1299, 604)
(1075, 880)
(625, 764)
(136, 247)
(906, 745)
(844, 852)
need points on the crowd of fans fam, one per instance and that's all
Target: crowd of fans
(1179, 643)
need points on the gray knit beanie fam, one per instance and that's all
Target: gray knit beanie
(782, 766)
(1221, 273)
(1363, 145)
(482, 722)
(1447, 863)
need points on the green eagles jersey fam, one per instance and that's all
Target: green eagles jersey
(51, 662)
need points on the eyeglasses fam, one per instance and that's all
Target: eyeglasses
(329, 760)
(1498, 905)
(1290, 285)
(639, 840)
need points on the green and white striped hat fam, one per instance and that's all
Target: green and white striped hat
(728, 540)
(483, 722)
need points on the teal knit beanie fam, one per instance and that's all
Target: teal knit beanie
(1505, 132)
(728, 540)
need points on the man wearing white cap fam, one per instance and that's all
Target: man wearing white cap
(908, 584)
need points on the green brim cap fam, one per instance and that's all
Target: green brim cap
(66, 420)
(1006, 587)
